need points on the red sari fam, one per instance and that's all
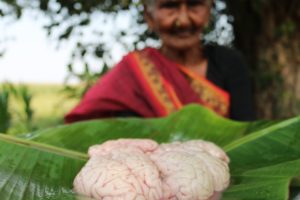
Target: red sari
(150, 85)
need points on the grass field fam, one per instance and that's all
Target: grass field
(49, 104)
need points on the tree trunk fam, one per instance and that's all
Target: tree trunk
(267, 32)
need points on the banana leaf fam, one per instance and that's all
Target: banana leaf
(30, 170)
(265, 155)
(193, 122)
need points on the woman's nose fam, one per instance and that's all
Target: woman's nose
(183, 16)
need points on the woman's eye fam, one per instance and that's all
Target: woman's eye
(169, 5)
(192, 3)
(176, 4)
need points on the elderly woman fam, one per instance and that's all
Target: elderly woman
(156, 82)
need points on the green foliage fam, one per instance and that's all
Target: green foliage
(264, 156)
(25, 97)
(37, 106)
(5, 116)
(287, 28)
(11, 8)
(15, 103)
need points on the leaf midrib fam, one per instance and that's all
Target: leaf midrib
(44, 147)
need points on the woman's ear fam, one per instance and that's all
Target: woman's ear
(149, 18)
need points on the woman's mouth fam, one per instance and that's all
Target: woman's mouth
(187, 32)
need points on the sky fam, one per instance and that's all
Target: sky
(30, 56)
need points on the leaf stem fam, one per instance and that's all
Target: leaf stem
(44, 147)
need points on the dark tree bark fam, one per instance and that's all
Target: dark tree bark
(268, 33)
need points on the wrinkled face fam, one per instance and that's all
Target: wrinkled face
(179, 23)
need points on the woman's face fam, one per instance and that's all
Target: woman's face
(179, 23)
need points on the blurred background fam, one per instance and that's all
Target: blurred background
(52, 51)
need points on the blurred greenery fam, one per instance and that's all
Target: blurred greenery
(26, 108)
(5, 116)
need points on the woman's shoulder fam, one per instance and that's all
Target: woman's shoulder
(222, 52)
(227, 60)
(118, 71)
(145, 51)
(124, 67)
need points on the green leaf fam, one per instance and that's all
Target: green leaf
(29, 170)
(265, 155)
(264, 163)
(193, 122)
